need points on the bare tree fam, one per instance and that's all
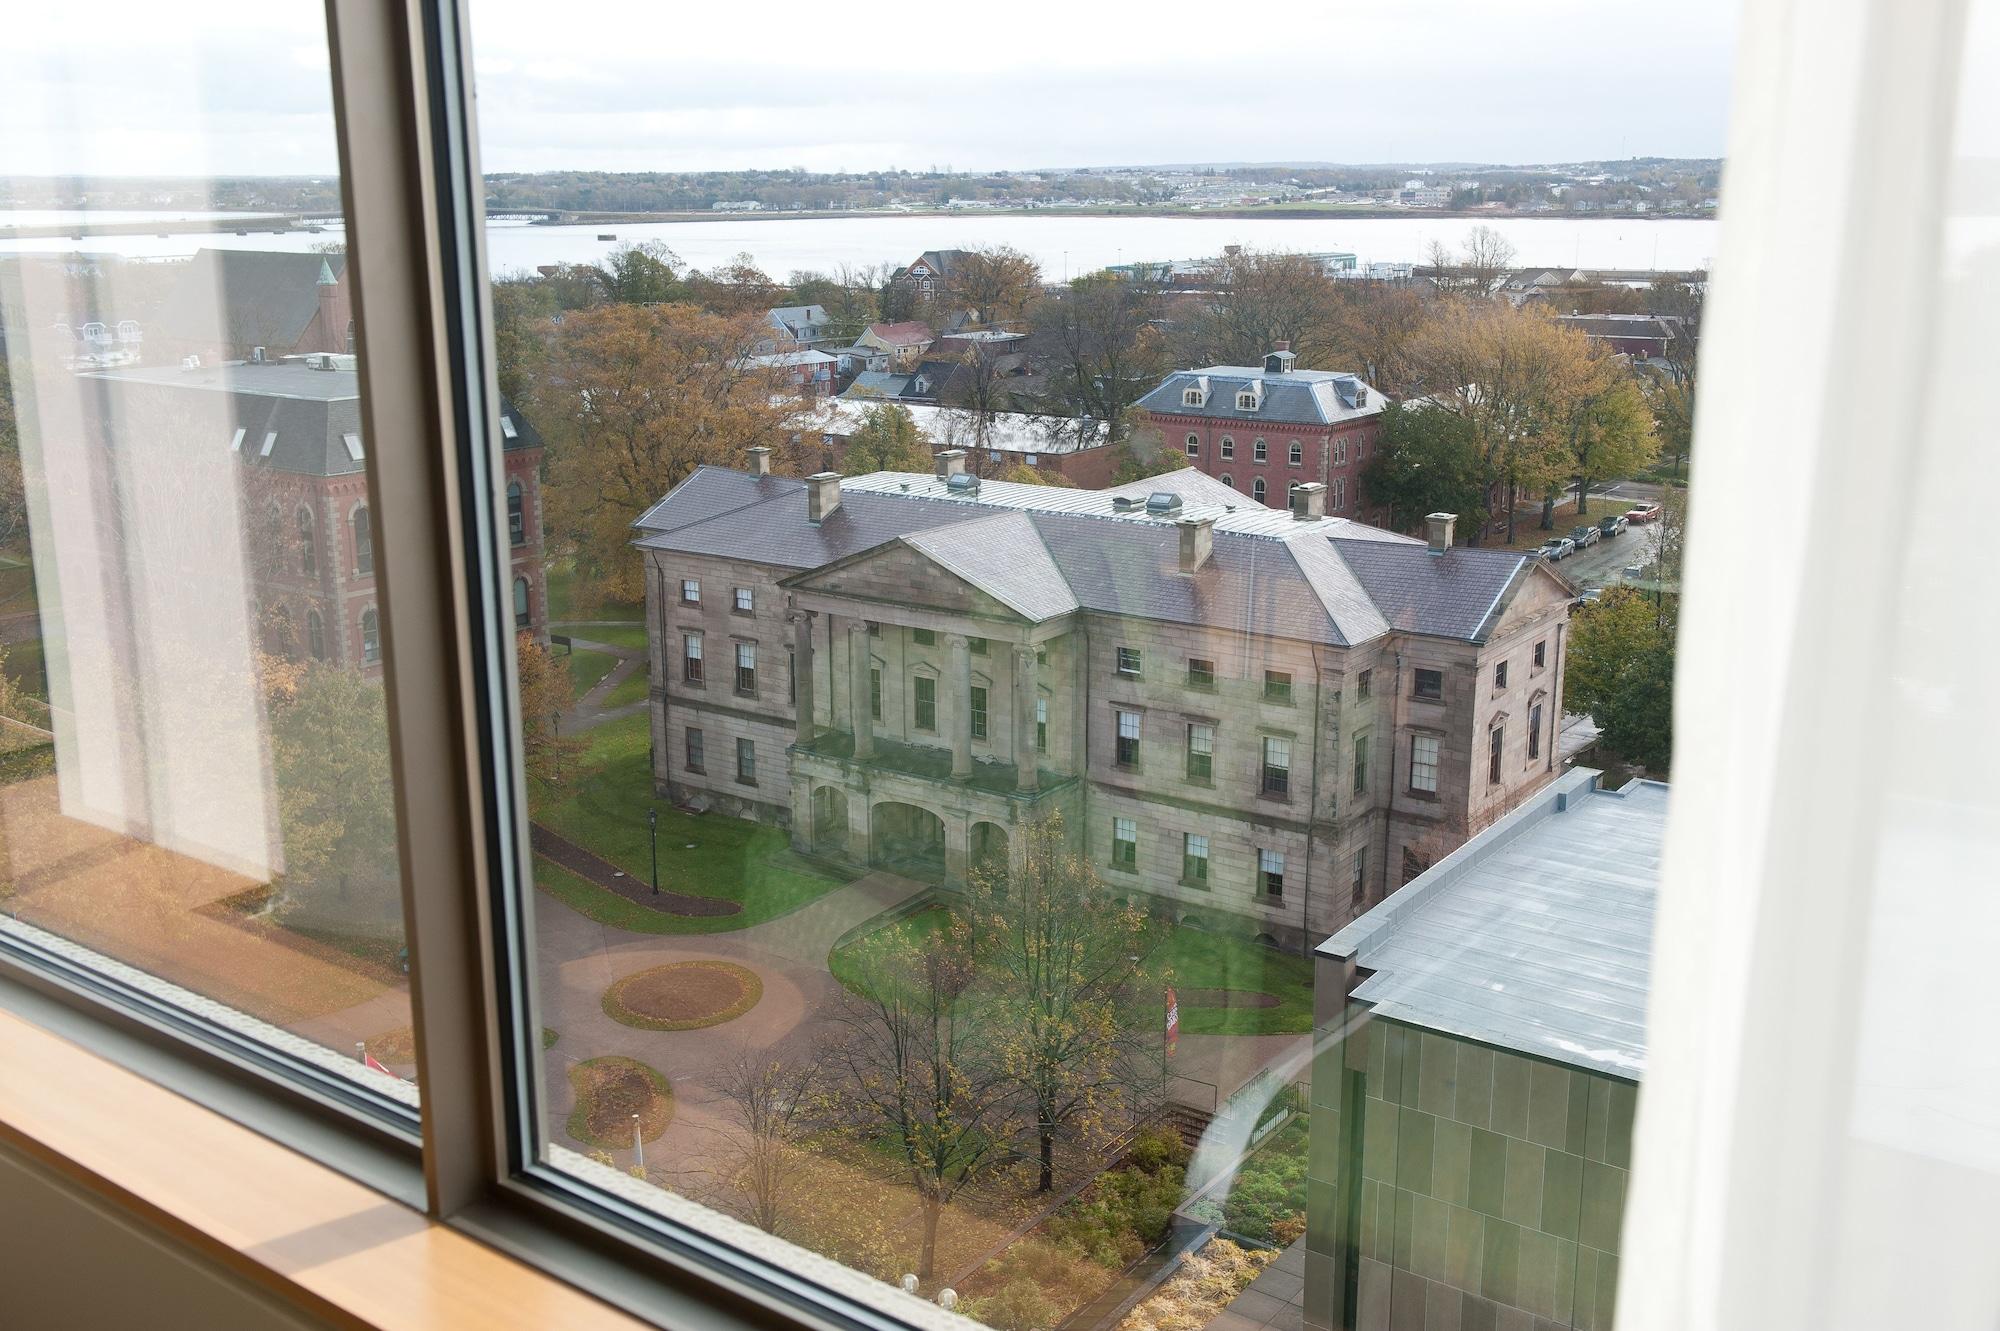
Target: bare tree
(1101, 341)
(1487, 257)
(1260, 300)
(997, 283)
(776, 1107)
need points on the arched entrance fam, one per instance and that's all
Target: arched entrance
(989, 849)
(829, 821)
(907, 839)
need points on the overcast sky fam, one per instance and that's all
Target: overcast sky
(630, 85)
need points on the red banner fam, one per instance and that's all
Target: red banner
(1173, 1022)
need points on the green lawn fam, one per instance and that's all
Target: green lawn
(586, 668)
(712, 855)
(632, 637)
(563, 603)
(632, 689)
(1193, 960)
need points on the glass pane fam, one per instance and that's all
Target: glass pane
(194, 767)
(1016, 953)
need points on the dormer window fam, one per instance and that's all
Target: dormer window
(1192, 397)
(1246, 401)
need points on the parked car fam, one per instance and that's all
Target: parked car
(1557, 547)
(1585, 535)
(1613, 525)
(1639, 513)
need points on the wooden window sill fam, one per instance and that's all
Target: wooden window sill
(308, 1235)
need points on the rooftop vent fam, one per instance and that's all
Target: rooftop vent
(1162, 504)
(1123, 503)
(959, 483)
(1280, 359)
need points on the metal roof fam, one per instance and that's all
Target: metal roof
(1535, 936)
(1295, 397)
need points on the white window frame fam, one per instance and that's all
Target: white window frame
(1425, 751)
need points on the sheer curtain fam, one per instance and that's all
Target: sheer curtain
(1818, 1143)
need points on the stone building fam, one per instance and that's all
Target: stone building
(1264, 718)
(1480, 1040)
(1262, 429)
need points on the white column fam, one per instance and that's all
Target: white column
(959, 689)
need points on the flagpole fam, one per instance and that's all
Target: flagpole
(638, 1145)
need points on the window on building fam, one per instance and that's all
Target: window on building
(1201, 674)
(1277, 780)
(1246, 401)
(1194, 445)
(746, 601)
(1500, 675)
(746, 668)
(696, 756)
(746, 761)
(1361, 764)
(1128, 660)
(874, 628)
(1278, 686)
(1340, 451)
(691, 657)
(308, 548)
(1424, 764)
(1495, 743)
(1191, 397)
(1295, 453)
(1194, 859)
(1358, 890)
(521, 615)
(1535, 731)
(1336, 494)
(1200, 751)
(924, 637)
(517, 515)
(1427, 684)
(1257, 488)
(1364, 685)
(1124, 844)
(1228, 480)
(925, 708)
(977, 646)
(1228, 448)
(1259, 451)
(364, 542)
(1271, 873)
(371, 637)
(978, 712)
(791, 676)
(690, 591)
(1541, 654)
(315, 635)
(875, 694)
(1127, 754)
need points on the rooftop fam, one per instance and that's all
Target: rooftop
(1011, 431)
(1535, 936)
(1293, 397)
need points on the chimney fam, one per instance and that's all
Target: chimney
(760, 461)
(1439, 528)
(1308, 501)
(950, 463)
(1197, 543)
(822, 495)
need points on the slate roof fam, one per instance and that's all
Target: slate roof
(246, 297)
(1046, 551)
(1448, 595)
(909, 333)
(311, 412)
(879, 383)
(1296, 397)
(1534, 936)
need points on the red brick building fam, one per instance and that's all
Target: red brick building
(1263, 429)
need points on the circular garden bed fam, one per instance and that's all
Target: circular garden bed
(609, 1091)
(683, 995)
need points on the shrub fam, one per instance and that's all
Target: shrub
(1155, 1147)
(1019, 1306)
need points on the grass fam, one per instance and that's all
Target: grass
(609, 1091)
(683, 995)
(632, 689)
(586, 668)
(632, 637)
(604, 810)
(1193, 959)
(564, 602)
(549, 1037)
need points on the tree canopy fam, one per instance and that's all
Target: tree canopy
(1427, 461)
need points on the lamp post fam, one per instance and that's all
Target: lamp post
(653, 835)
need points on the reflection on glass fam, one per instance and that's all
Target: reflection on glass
(195, 788)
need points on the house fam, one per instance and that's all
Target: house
(1079, 451)
(903, 343)
(228, 303)
(1253, 720)
(1262, 429)
(1475, 1070)
(1640, 336)
(881, 384)
(1525, 285)
(928, 273)
(809, 373)
(292, 428)
(795, 326)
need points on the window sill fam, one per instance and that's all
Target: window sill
(1124, 868)
(1427, 796)
(1195, 884)
(295, 1229)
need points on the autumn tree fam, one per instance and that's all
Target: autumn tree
(996, 282)
(1375, 329)
(776, 1108)
(887, 440)
(1101, 343)
(1609, 429)
(646, 273)
(1620, 670)
(1426, 461)
(633, 400)
(547, 695)
(1022, 474)
(1058, 956)
(738, 287)
(918, 1066)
